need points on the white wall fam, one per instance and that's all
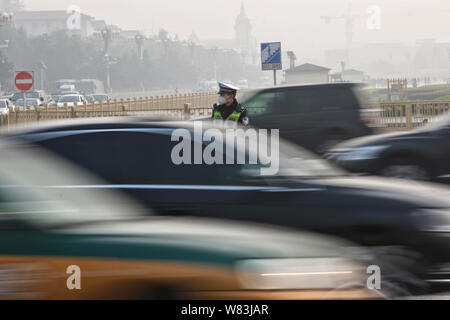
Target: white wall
(307, 77)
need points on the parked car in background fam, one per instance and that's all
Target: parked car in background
(40, 95)
(422, 154)
(65, 93)
(89, 98)
(56, 97)
(19, 104)
(101, 97)
(315, 117)
(72, 100)
(5, 106)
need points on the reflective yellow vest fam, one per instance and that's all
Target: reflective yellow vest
(230, 122)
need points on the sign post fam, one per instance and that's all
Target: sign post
(24, 81)
(271, 58)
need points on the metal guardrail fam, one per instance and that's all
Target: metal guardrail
(187, 106)
(389, 116)
(408, 115)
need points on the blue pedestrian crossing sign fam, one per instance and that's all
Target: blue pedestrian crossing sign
(271, 56)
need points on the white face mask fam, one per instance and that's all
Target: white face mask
(222, 100)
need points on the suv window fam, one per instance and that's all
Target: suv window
(262, 103)
(318, 99)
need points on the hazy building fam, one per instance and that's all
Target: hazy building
(245, 43)
(432, 58)
(352, 75)
(307, 73)
(378, 59)
(36, 23)
(11, 5)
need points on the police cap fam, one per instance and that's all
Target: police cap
(227, 88)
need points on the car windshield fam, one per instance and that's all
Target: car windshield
(30, 95)
(70, 99)
(101, 97)
(28, 192)
(3, 104)
(30, 102)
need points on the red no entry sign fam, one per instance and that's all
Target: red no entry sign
(24, 80)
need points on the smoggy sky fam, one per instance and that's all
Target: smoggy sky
(296, 23)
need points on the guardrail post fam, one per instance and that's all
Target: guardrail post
(187, 111)
(408, 116)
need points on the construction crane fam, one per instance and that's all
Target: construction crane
(349, 19)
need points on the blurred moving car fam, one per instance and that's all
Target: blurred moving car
(101, 97)
(371, 117)
(81, 243)
(5, 106)
(422, 154)
(315, 117)
(71, 100)
(135, 156)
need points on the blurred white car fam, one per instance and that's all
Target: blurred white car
(4, 106)
(72, 100)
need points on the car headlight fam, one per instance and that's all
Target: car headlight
(356, 154)
(300, 274)
(432, 220)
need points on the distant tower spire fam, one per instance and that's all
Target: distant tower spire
(243, 30)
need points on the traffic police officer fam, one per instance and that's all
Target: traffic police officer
(229, 112)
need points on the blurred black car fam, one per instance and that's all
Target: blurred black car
(307, 193)
(125, 252)
(315, 117)
(422, 154)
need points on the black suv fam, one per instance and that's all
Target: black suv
(315, 117)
